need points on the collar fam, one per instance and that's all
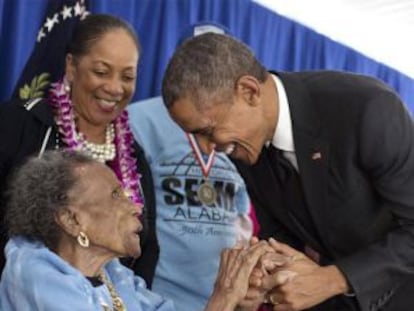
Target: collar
(283, 136)
(41, 110)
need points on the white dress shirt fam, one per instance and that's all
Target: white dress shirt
(283, 136)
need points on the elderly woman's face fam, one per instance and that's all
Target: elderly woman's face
(103, 80)
(105, 214)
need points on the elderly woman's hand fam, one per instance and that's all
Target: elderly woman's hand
(232, 281)
(257, 291)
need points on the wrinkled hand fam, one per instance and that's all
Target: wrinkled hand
(232, 282)
(256, 292)
(301, 283)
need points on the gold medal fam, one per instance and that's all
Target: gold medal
(207, 193)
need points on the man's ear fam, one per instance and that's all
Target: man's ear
(67, 220)
(249, 88)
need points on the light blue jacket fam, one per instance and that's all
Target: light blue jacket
(37, 279)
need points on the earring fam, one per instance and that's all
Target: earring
(66, 85)
(83, 240)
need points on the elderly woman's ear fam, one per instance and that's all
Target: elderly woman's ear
(68, 222)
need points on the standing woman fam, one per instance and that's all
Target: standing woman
(86, 111)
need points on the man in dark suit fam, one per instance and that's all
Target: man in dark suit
(328, 158)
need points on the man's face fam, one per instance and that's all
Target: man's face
(235, 127)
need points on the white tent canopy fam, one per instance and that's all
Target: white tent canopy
(381, 29)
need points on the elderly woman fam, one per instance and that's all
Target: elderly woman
(69, 219)
(86, 111)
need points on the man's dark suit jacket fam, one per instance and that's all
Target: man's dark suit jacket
(354, 143)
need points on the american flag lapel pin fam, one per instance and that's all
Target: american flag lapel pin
(316, 156)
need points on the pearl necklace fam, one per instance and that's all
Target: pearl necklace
(100, 152)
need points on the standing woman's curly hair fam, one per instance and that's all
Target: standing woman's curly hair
(38, 189)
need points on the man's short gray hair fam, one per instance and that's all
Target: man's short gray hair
(207, 67)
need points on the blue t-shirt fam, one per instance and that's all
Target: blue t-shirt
(191, 235)
(37, 279)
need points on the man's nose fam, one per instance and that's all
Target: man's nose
(206, 145)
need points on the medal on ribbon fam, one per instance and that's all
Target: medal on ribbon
(206, 192)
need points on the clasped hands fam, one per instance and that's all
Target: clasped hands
(279, 275)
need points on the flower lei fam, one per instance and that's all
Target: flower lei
(124, 164)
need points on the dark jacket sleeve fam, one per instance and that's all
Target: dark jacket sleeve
(376, 272)
(7, 147)
(20, 135)
(145, 265)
